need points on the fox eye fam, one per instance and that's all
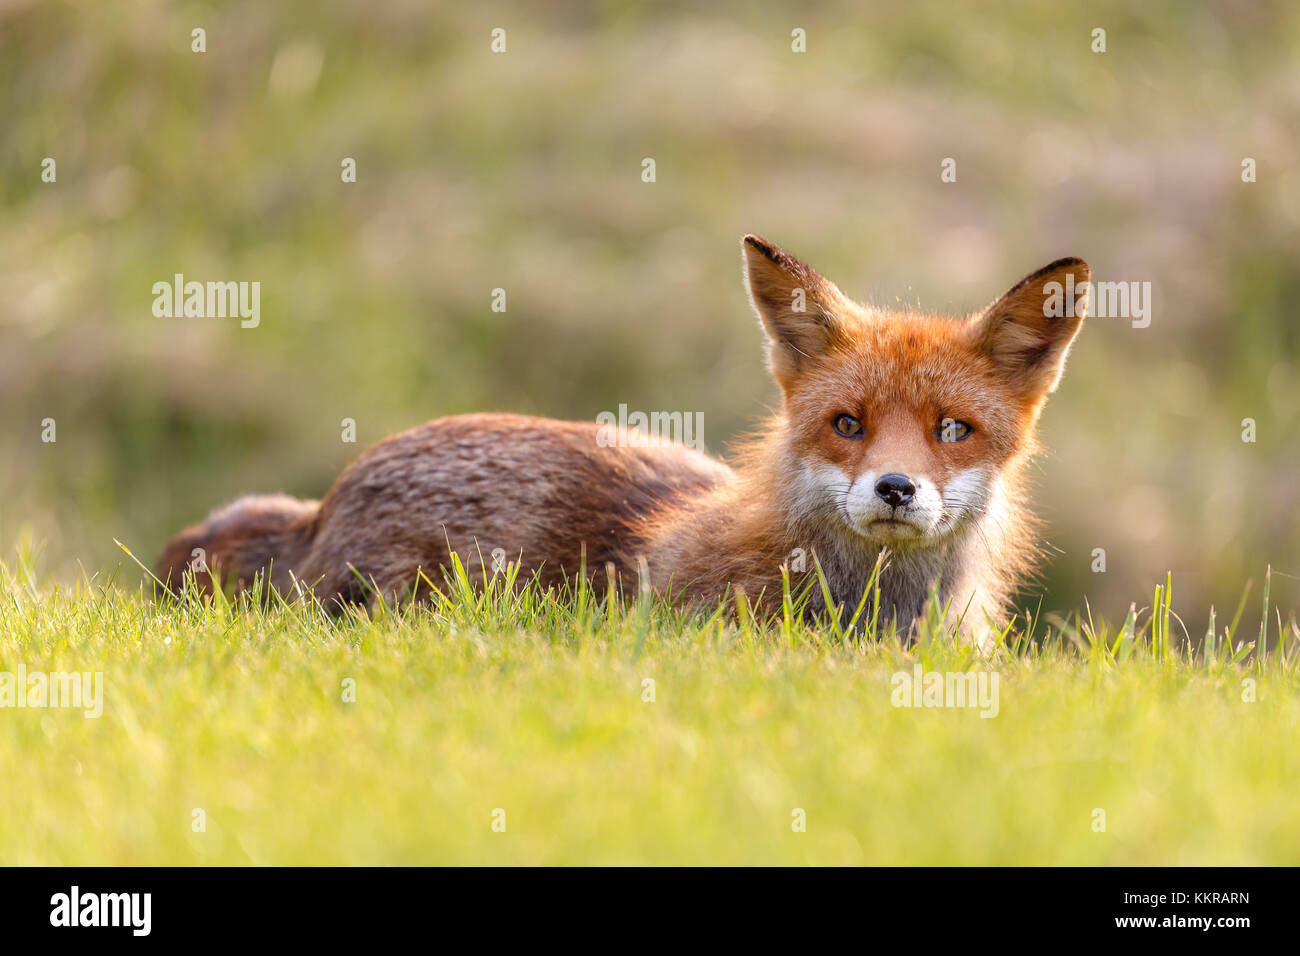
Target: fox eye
(952, 430)
(848, 426)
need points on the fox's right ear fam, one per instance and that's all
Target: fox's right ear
(800, 310)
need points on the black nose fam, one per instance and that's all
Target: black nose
(896, 490)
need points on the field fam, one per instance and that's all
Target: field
(533, 712)
(1170, 446)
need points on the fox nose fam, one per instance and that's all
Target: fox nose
(895, 490)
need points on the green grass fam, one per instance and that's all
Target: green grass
(533, 703)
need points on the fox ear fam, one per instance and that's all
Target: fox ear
(1027, 332)
(800, 310)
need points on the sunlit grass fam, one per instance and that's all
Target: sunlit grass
(537, 704)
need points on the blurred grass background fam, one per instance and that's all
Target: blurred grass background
(522, 171)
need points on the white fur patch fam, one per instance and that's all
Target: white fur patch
(932, 513)
(968, 495)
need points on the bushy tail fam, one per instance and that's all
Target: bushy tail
(236, 543)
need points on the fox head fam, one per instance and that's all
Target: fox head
(902, 425)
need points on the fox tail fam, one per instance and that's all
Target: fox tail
(266, 534)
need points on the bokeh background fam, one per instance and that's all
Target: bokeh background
(522, 171)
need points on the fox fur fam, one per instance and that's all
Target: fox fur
(556, 499)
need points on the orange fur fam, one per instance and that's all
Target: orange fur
(549, 495)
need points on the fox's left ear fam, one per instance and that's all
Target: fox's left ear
(1027, 332)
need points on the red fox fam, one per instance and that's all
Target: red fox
(898, 433)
